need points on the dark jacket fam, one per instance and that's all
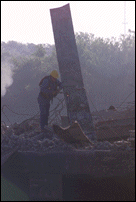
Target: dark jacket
(48, 87)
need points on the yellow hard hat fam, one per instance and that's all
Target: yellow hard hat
(54, 74)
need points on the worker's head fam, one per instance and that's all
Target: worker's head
(54, 74)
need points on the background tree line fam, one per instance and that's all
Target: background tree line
(108, 69)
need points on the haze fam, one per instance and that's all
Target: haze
(30, 21)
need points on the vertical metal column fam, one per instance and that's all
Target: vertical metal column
(70, 70)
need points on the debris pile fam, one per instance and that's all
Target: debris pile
(116, 146)
(28, 137)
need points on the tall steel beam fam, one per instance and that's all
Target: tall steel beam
(70, 69)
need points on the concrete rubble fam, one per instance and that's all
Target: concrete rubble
(27, 137)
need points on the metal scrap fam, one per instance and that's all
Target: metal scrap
(29, 138)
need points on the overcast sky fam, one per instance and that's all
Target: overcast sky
(30, 21)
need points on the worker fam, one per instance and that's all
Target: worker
(50, 86)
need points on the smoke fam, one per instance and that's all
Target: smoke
(6, 77)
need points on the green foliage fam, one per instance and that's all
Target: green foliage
(107, 67)
(40, 51)
(107, 56)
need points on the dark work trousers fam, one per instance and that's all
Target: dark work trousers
(44, 114)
